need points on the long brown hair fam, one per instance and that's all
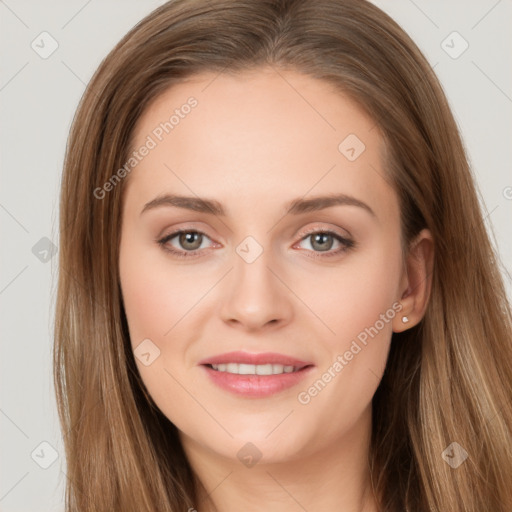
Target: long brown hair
(448, 379)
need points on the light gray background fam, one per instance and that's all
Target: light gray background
(38, 98)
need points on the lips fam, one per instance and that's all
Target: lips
(249, 382)
(255, 359)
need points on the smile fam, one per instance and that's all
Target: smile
(255, 381)
(254, 369)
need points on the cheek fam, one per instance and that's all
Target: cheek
(154, 295)
(351, 297)
(357, 305)
(145, 298)
(362, 306)
(155, 301)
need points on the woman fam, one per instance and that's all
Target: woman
(276, 288)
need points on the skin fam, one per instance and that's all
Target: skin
(254, 142)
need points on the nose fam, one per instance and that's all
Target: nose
(255, 297)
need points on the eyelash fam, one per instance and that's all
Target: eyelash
(347, 244)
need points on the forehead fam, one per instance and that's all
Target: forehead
(258, 100)
(260, 133)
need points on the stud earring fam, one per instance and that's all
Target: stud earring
(405, 319)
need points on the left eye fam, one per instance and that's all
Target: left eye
(192, 241)
(322, 241)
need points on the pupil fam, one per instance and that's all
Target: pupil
(190, 238)
(319, 237)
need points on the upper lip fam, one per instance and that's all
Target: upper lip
(248, 358)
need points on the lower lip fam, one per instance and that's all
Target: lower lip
(256, 386)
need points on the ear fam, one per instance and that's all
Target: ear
(416, 281)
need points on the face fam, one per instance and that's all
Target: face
(267, 267)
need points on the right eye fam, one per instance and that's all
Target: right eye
(189, 240)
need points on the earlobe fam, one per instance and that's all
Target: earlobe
(416, 282)
(402, 321)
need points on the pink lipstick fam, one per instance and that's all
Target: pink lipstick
(255, 375)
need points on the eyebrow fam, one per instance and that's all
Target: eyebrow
(295, 207)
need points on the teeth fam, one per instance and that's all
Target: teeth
(253, 369)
